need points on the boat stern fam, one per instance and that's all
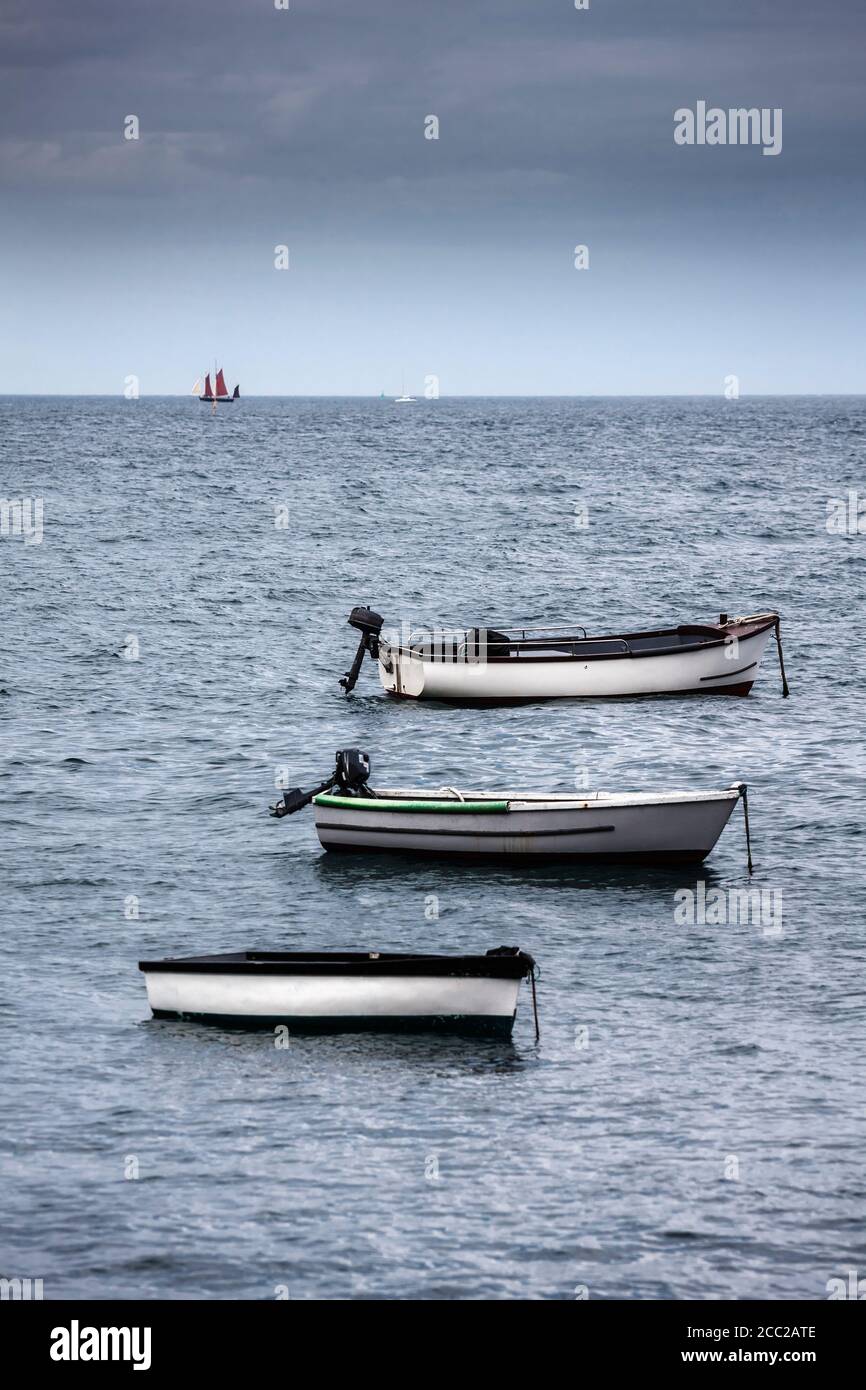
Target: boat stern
(400, 671)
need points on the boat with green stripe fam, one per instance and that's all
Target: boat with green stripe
(649, 827)
(438, 804)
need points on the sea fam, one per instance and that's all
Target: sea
(175, 588)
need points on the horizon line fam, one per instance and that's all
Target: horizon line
(453, 395)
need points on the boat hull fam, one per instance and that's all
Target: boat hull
(715, 668)
(674, 828)
(245, 995)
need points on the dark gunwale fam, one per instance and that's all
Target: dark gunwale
(363, 964)
(521, 649)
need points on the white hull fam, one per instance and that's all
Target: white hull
(692, 670)
(317, 997)
(660, 826)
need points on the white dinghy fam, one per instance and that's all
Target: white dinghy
(649, 827)
(349, 992)
(493, 666)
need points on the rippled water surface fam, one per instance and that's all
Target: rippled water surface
(691, 1123)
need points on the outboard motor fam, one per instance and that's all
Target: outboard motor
(369, 624)
(349, 778)
(353, 769)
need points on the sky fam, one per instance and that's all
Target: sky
(409, 257)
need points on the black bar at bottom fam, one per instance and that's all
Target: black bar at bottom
(226, 1337)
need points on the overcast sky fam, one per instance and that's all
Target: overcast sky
(455, 257)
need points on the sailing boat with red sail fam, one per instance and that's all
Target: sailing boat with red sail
(218, 392)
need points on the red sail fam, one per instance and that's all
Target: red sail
(221, 388)
(207, 390)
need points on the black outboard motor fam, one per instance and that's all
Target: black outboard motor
(369, 624)
(353, 770)
(349, 778)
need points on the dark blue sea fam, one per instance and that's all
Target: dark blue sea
(691, 1123)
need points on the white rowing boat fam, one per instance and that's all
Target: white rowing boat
(335, 991)
(487, 665)
(650, 827)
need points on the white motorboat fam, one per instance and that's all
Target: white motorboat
(336, 991)
(649, 827)
(490, 666)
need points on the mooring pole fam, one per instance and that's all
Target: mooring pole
(744, 797)
(534, 1004)
(785, 691)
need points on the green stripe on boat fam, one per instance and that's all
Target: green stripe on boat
(364, 803)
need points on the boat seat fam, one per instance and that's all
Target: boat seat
(462, 649)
